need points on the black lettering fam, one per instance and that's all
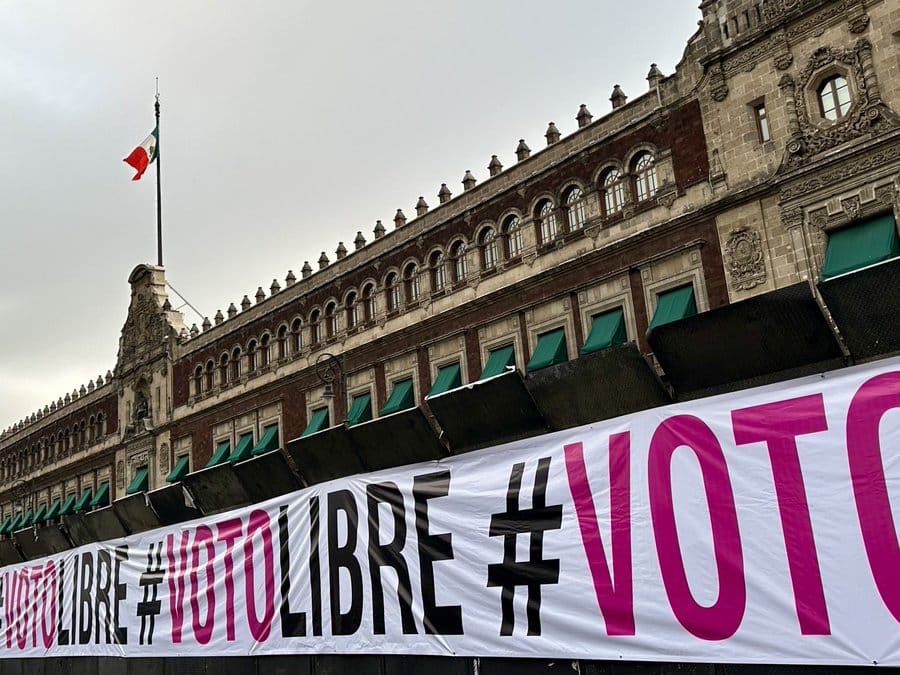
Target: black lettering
(293, 624)
(388, 555)
(343, 557)
(85, 613)
(104, 581)
(315, 567)
(444, 619)
(119, 592)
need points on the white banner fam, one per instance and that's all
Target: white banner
(757, 527)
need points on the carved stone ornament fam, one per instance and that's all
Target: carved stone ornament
(858, 23)
(120, 474)
(851, 207)
(667, 199)
(867, 115)
(718, 87)
(843, 172)
(744, 258)
(784, 60)
(164, 459)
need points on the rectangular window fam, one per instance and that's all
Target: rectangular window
(672, 305)
(243, 448)
(139, 483)
(180, 470)
(762, 122)
(861, 244)
(448, 377)
(607, 330)
(268, 441)
(102, 496)
(360, 410)
(498, 361)
(549, 350)
(401, 398)
(220, 456)
(317, 422)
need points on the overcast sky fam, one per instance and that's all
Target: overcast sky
(286, 127)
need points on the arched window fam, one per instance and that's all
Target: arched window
(546, 218)
(281, 338)
(101, 426)
(352, 310)
(251, 356)
(265, 346)
(330, 320)
(236, 364)
(438, 272)
(82, 435)
(575, 209)
(644, 176)
(315, 329)
(368, 302)
(488, 243)
(613, 192)
(458, 251)
(210, 374)
(223, 369)
(296, 336)
(411, 282)
(512, 237)
(392, 292)
(834, 98)
(92, 434)
(197, 380)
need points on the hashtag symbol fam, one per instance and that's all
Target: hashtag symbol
(534, 572)
(150, 580)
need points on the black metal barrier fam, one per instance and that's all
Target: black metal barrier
(767, 338)
(469, 415)
(393, 665)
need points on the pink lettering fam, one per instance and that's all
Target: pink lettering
(229, 531)
(616, 602)
(48, 604)
(259, 525)
(722, 618)
(203, 536)
(176, 577)
(778, 425)
(873, 506)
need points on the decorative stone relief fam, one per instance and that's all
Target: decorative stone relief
(164, 459)
(744, 258)
(718, 87)
(843, 172)
(851, 207)
(120, 474)
(869, 113)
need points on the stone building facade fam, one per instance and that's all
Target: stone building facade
(743, 172)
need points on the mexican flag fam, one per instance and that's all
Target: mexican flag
(144, 154)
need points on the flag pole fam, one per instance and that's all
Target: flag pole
(159, 249)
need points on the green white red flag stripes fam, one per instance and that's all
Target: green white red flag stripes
(144, 154)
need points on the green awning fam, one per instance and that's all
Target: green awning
(83, 501)
(26, 519)
(180, 470)
(243, 448)
(448, 377)
(498, 361)
(402, 398)
(68, 506)
(53, 511)
(101, 498)
(673, 305)
(550, 350)
(5, 525)
(40, 516)
(318, 422)
(268, 442)
(14, 524)
(607, 330)
(220, 456)
(861, 245)
(360, 410)
(139, 483)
